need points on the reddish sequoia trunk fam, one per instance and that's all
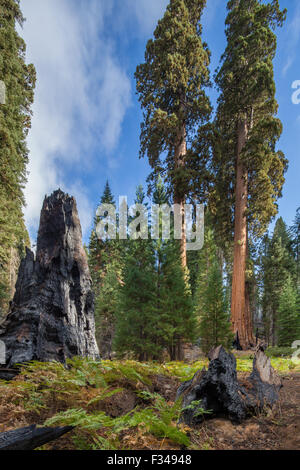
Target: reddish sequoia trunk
(179, 198)
(249, 308)
(240, 313)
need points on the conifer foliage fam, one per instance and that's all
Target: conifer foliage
(279, 273)
(170, 84)
(105, 262)
(211, 303)
(176, 316)
(289, 315)
(15, 120)
(248, 170)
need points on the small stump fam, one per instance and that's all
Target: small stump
(218, 392)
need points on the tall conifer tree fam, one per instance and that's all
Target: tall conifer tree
(137, 325)
(15, 121)
(100, 251)
(295, 232)
(170, 85)
(288, 315)
(249, 171)
(278, 267)
(177, 320)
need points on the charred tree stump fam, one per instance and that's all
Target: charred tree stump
(31, 437)
(52, 313)
(218, 392)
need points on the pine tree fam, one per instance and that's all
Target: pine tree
(176, 316)
(137, 323)
(295, 233)
(288, 315)
(206, 258)
(106, 306)
(170, 85)
(105, 262)
(248, 170)
(212, 312)
(214, 319)
(101, 251)
(278, 266)
(137, 330)
(15, 121)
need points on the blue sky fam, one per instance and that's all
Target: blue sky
(86, 120)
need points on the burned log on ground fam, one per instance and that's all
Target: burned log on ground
(52, 313)
(31, 437)
(8, 374)
(218, 392)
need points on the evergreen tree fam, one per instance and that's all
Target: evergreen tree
(15, 120)
(137, 317)
(170, 86)
(206, 258)
(248, 170)
(214, 319)
(137, 323)
(101, 251)
(295, 233)
(289, 315)
(211, 299)
(277, 267)
(176, 316)
(106, 306)
(105, 262)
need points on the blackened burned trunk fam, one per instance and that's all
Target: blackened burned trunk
(52, 314)
(31, 437)
(218, 392)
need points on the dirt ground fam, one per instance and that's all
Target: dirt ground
(278, 429)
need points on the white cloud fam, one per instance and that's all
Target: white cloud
(83, 90)
(81, 98)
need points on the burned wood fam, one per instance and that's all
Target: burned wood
(8, 374)
(31, 437)
(218, 392)
(52, 313)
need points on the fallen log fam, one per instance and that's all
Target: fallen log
(31, 437)
(217, 392)
(8, 374)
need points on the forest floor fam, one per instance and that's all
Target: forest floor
(128, 405)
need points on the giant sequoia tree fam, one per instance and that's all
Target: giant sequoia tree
(170, 86)
(15, 114)
(249, 171)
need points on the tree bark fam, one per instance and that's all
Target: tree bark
(249, 306)
(240, 315)
(179, 194)
(179, 197)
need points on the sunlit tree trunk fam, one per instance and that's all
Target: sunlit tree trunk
(240, 308)
(179, 197)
